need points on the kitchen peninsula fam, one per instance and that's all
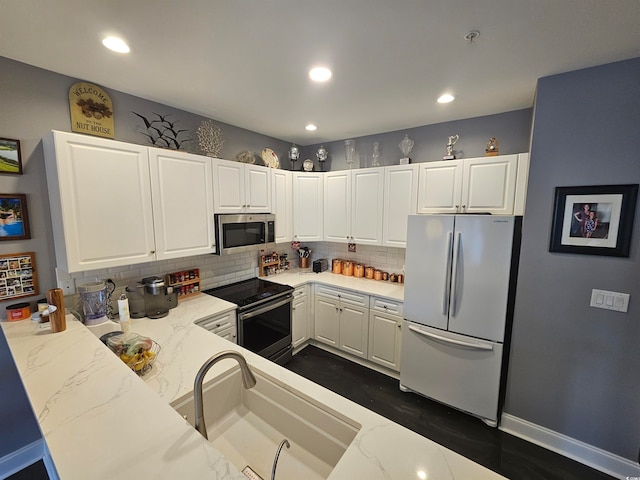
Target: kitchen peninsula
(100, 419)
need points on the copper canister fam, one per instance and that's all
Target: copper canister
(377, 275)
(400, 278)
(336, 265)
(358, 270)
(347, 268)
(369, 272)
(385, 276)
(393, 277)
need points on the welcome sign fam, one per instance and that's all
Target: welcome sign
(91, 110)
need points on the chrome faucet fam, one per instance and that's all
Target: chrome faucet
(247, 379)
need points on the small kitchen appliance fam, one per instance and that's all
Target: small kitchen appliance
(94, 299)
(320, 265)
(150, 298)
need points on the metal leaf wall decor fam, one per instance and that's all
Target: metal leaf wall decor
(164, 133)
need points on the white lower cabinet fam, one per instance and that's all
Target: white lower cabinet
(384, 339)
(341, 319)
(300, 317)
(223, 325)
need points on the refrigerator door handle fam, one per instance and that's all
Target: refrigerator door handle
(447, 276)
(460, 343)
(454, 281)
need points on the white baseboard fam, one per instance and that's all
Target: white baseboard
(594, 457)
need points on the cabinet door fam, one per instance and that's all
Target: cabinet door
(489, 184)
(229, 334)
(384, 339)
(100, 197)
(366, 205)
(327, 321)
(282, 204)
(440, 187)
(354, 330)
(300, 320)
(228, 186)
(337, 206)
(181, 187)
(307, 207)
(257, 189)
(400, 201)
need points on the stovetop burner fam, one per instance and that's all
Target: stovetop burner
(248, 292)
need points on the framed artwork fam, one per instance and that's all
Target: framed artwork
(594, 220)
(18, 275)
(10, 156)
(14, 217)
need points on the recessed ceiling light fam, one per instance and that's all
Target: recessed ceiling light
(446, 98)
(320, 74)
(116, 44)
(311, 127)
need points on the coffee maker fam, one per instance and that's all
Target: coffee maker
(150, 298)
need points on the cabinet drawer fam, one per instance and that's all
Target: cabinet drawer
(344, 296)
(300, 291)
(217, 323)
(386, 306)
(228, 334)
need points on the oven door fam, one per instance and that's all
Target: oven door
(266, 329)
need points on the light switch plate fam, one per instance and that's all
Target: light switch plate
(615, 301)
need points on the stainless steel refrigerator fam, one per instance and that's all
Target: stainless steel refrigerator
(458, 300)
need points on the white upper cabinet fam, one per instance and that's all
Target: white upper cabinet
(100, 197)
(400, 200)
(307, 206)
(337, 206)
(181, 186)
(240, 188)
(282, 203)
(439, 187)
(366, 206)
(472, 185)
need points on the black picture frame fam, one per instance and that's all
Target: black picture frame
(14, 217)
(10, 157)
(594, 220)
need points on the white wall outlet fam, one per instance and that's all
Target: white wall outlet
(65, 282)
(616, 301)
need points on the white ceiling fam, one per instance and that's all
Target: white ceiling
(245, 62)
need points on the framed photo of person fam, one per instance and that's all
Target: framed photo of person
(14, 217)
(593, 220)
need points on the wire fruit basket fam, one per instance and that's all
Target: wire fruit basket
(137, 352)
(142, 361)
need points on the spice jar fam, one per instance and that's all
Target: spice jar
(358, 270)
(347, 268)
(336, 265)
(368, 272)
(377, 275)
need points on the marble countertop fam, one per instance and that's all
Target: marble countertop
(100, 420)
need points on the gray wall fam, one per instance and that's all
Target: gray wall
(512, 129)
(576, 369)
(35, 101)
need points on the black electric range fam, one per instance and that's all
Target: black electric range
(263, 316)
(249, 293)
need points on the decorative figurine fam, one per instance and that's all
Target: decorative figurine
(405, 147)
(307, 165)
(322, 155)
(452, 141)
(294, 155)
(349, 152)
(376, 155)
(493, 145)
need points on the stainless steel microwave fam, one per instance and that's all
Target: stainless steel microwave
(244, 232)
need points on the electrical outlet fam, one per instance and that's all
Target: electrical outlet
(65, 282)
(68, 286)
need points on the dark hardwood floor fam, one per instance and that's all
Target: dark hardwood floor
(510, 456)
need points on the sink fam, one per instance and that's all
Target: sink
(247, 426)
